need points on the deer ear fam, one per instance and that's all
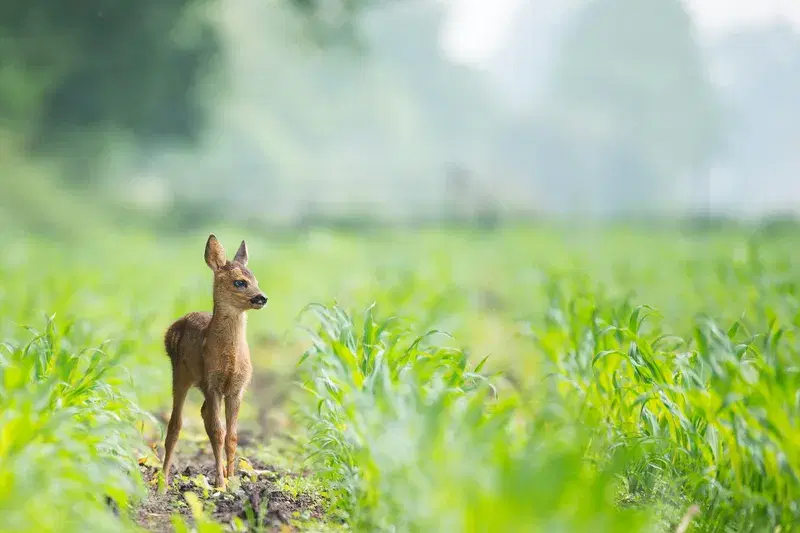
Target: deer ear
(241, 254)
(215, 254)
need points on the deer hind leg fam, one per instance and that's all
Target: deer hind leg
(216, 432)
(232, 404)
(179, 392)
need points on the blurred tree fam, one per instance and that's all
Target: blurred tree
(521, 64)
(630, 119)
(333, 22)
(339, 129)
(99, 65)
(759, 70)
(74, 75)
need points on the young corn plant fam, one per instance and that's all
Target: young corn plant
(715, 415)
(67, 436)
(415, 439)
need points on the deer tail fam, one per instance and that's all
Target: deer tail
(172, 339)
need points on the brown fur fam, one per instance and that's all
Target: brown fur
(209, 351)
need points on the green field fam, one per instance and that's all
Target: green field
(632, 374)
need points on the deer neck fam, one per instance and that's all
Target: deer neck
(228, 327)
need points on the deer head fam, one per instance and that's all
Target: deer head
(235, 286)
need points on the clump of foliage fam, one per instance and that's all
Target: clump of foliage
(68, 436)
(714, 415)
(412, 436)
(415, 438)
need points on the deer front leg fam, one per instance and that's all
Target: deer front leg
(216, 433)
(232, 404)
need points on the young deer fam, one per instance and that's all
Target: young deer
(209, 351)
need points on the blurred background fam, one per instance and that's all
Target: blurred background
(131, 130)
(286, 113)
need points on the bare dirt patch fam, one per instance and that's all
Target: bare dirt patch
(261, 497)
(254, 497)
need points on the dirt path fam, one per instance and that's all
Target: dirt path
(253, 499)
(262, 496)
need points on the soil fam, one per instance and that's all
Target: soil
(256, 501)
(254, 495)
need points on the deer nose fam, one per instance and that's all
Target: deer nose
(258, 300)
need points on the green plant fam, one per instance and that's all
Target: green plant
(416, 440)
(67, 435)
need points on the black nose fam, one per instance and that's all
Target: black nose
(259, 300)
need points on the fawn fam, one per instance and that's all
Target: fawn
(210, 351)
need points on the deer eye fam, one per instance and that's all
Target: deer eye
(240, 284)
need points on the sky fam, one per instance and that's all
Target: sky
(475, 28)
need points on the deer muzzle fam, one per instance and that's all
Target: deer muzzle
(259, 301)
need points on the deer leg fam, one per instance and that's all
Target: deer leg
(179, 391)
(216, 433)
(232, 404)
